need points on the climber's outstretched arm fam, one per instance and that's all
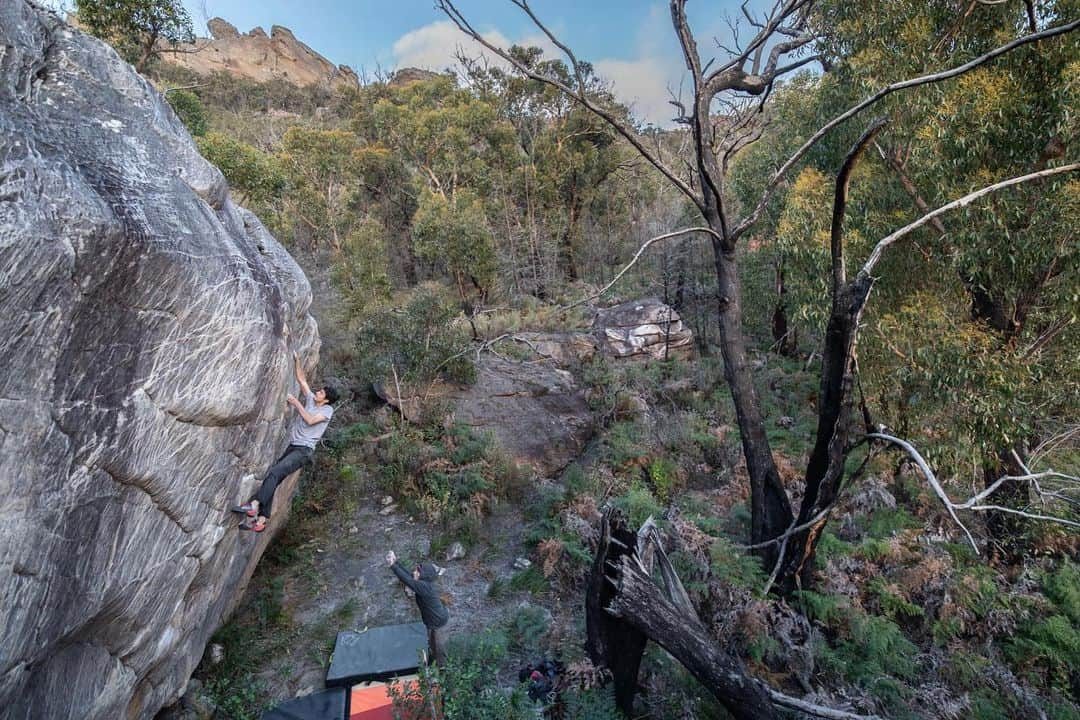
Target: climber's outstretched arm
(301, 377)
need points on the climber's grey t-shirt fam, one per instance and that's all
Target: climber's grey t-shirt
(308, 435)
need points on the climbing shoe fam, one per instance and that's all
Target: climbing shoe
(253, 526)
(248, 510)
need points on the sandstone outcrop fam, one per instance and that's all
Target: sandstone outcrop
(147, 325)
(642, 328)
(260, 58)
(409, 75)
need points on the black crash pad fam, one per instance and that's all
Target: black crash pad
(376, 654)
(323, 705)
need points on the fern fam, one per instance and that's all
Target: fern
(593, 704)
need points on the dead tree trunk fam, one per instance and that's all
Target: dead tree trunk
(825, 470)
(611, 643)
(642, 605)
(782, 333)
(625, 607)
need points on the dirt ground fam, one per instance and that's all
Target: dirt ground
(343, 583)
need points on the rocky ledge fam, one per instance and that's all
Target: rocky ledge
(259, 57)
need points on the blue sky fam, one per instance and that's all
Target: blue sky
(631, 42)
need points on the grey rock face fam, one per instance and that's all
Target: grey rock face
(565, 349)
(145, 330)
(535, 412)
(647, 328)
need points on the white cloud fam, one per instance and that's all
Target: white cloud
(641, 82)
(435, 46)
(643, 85)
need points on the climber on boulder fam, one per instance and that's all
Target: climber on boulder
(312, 418)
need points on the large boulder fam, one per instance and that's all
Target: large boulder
(535, 412)
(646, 328)
(148, 324)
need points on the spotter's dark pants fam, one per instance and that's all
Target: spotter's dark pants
(294, 458)
(436, 640)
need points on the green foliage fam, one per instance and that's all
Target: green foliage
(466, 686)
(731, 565)
(529, 580)
(134, 27)
(452, 476)
(527, 627)
(418, 342)
(664, 478)
(892, 603)
(638, 503)
(256, 176)
(190, 110)
(873, 653)
(625, 444)
(885, 522)
(452, 233)
(359, 271)
(1051, 644)
(592, 704)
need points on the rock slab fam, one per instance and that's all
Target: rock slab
(147, 325)
(646, 328)
(534, 411)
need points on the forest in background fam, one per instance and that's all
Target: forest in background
(438, 213)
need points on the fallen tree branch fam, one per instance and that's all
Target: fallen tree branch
(780, 699)
(637, 607)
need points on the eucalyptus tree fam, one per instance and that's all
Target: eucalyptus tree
(998, 283)
(448, 141)
(137, 28)
(570, 174)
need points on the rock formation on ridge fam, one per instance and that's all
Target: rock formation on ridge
(147, 325)
(257, 57)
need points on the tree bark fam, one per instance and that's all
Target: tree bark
(770, 508)
(782, 333)
(1007, 532)
(625, 608)
(641, 603)
(825, 470)
(611, 643)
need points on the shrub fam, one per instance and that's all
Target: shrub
(254, 175)
(190, 110)
(731, 565)
(527, 627)
(592, 704)
(1051, 643)
(419, 342)
(638, 504)
(465, 686)
(664, 478)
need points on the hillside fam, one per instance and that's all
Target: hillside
(844, 422)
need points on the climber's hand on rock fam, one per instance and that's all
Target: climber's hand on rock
(291, 399)
(391, 558)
